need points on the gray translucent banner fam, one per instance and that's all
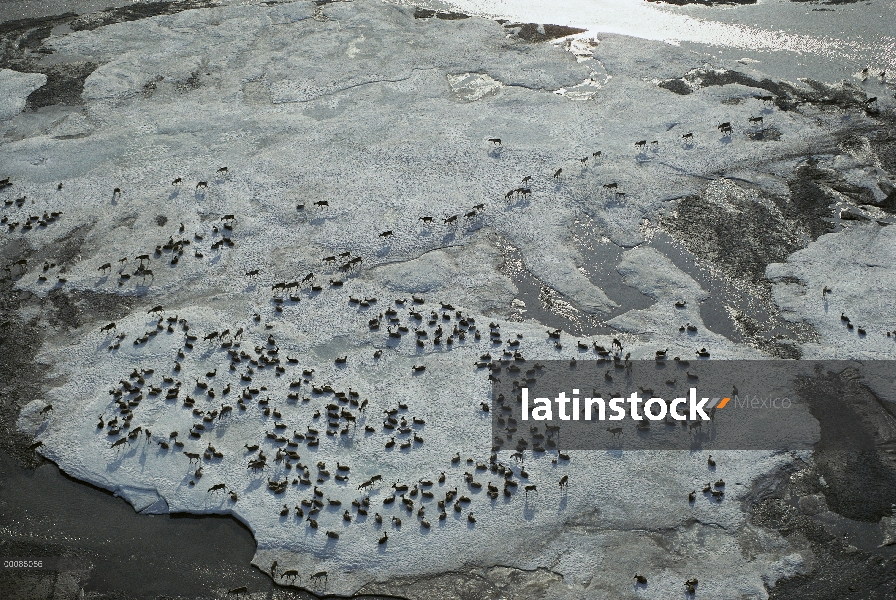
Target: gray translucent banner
(699, 404)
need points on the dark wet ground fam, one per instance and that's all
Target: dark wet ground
(854, 469)
(113, 552)
(22, 49)
(43, 513)
(741, 313)
(548, 307)
(705, 2)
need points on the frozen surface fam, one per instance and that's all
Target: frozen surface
(15, 88)
(856, 264)
(388, 119)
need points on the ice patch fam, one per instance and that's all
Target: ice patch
(473, 86)
(856, 265)
(678, 299)
(562, 273)
(71, 125)
(655, 275)
(888, 528)
(468, 276)
(582, 91)
(146, 501)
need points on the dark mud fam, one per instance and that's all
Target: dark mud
(425, 13)
(854, 469)
(21, 37)
(135, 12)
(530, 32)
(20, 375)
(22, 47)
(65, 83)
(883, 143)
(533, 32)
(784, 95)
(742, 242)
(704, 2)
(855, 454)
(116, 553)
(841, 571)
(698, 78)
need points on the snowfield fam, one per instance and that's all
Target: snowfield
(387, 119)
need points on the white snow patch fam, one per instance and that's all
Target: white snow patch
(15, 87)
(857, 265)
(473, 86)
